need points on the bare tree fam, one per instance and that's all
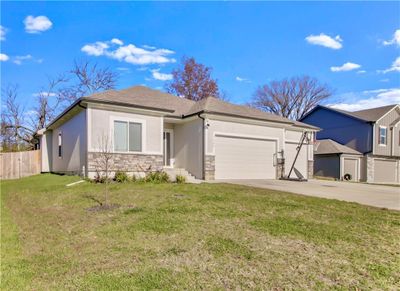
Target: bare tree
(84, 79)
(15, 133)
(104, 162)
(291, 98)
(50, 101)
(193, 81)
(88, 79)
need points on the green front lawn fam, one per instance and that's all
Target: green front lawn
(207, 236)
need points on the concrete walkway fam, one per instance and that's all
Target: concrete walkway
(373, 195)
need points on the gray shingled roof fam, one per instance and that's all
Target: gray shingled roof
(372, 114)
(142, 96)
(215, 105)
(145, 97)
(328, 146)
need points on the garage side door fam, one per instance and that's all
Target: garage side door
(301, 162)
(385, 171)
(244, 158)
(351, 167)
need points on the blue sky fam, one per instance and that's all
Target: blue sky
(353, 47)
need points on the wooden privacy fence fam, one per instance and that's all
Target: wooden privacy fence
(20, 164)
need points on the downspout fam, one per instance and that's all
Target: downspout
(203, 145)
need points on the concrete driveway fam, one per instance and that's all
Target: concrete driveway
(373, 195)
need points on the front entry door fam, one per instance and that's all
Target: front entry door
(168, 148)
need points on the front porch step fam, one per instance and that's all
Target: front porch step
(173, 172)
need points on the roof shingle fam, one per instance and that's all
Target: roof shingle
(328, 146)
(179, 107)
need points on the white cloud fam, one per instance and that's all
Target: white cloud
(161, 76)
(384, 80)
(3, 32)
(123, 69)
(128, 53)
(95, 49)
(240, 79)
(44, 93)
(325, 40)
(149, 47)
(117, 41)
(394, 68)
(4, 58)
(395, 39)
(37, 24)
(369, 99)
(345, 67)
(19, 59)
(361, 72)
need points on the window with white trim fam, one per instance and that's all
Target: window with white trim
(382, 135)
(127, 136)
(59, 145)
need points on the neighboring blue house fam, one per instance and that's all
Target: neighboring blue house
(364, 145)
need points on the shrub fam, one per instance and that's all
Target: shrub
(100, 178)
(121, 177)
(157, 177)
(180, 179)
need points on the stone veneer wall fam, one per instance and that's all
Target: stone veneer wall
(132, 163)
(370, 168)
(209, 171)
(310, 169)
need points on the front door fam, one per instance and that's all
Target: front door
(168, 147)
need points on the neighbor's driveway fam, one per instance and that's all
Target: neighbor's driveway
(374, 195)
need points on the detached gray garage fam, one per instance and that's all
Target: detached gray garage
(337, 161)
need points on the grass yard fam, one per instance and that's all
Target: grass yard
(207, 236)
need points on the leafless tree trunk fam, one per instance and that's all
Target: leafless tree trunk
(104, 161)
(291, 98)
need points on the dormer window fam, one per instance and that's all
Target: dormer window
(382, 135)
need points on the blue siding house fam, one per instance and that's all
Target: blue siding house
(375, 133)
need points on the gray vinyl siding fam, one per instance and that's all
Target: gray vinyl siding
(354, 133)
(396, 140)
(387, 120)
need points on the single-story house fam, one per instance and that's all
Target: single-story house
(147, 130)
(331, 159)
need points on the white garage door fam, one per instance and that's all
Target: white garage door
(244, 158)
(385, 171)
(301, 162)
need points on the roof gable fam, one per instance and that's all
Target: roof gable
(367, 115)
(333, 110)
